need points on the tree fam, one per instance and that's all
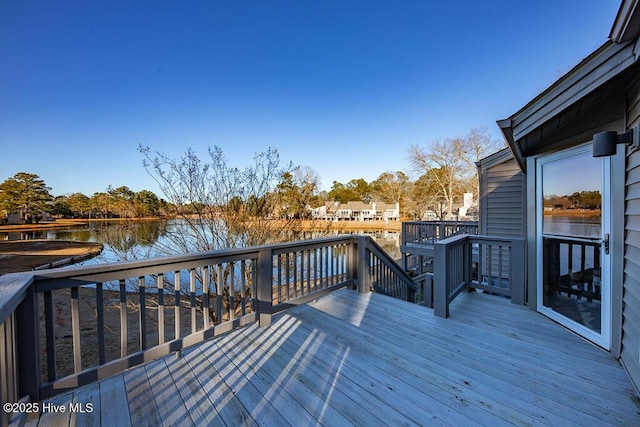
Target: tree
(297, 192)
(220, 206)
(79, 204)
(101, 204)
(454, 159)
(355, 190)
(146, 203)
(61, 208)
(341, 193)
(391, 187)
(26, 192)
(447, 157)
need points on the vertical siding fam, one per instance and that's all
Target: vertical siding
(631, 283)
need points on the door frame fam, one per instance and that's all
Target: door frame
(604, 338)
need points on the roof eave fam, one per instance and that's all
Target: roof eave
(626, 26)
(505, 126)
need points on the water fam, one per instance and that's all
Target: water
(129, 240)
(587, 226)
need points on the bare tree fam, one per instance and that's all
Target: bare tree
(450, 163)
(219, 206)
(447, 156)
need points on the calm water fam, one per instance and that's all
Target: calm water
(576, 226)
(127, 241)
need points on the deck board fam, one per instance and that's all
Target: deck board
(352, 359)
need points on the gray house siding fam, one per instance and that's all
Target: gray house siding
(502, 196)
(631, 297)
(502, 207)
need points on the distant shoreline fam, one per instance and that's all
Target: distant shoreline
(574, 212)
(300, 224)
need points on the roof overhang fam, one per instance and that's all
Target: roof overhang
(626, 26)
(585, 100)
(582, 102)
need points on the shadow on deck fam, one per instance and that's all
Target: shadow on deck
(367, 359)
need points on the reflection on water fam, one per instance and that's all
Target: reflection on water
(129, 240)
(575, 225)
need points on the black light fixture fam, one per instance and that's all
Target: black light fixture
(604, 143)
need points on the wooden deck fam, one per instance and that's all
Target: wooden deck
(352, 359)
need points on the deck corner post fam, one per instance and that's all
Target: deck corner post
(440, 297)
(353, 263)
(28, 345)
(265, 285)
(363, 264)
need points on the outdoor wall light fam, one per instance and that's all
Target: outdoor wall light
(604, 143)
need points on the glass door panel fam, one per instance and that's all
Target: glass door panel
(570, 217)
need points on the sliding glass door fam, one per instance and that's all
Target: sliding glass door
(573, 242)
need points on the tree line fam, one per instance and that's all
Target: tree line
(28, 195)
(440, 174)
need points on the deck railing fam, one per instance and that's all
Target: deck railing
(418, 238)
(56, 326)
(429, 232)
(493, 264)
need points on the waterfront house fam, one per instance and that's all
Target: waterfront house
(583, 269)
(357, 211)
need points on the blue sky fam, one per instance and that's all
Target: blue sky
(344, 87)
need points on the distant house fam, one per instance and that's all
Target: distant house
(357, 211)
(17, 218)
(583, 271)
(389, 211)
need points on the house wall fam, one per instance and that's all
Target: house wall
(630, 355)
(502, 204)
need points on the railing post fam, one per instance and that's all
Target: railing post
(364, 285)
(28, 345)
(466, 261)
(354, 262)
(517, 271)
(265, 287)
(440, 263)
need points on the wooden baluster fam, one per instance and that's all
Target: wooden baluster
(288, 274)
(176, 290)
(51, 345)
(243, 284)
(160, 290)
(205, 296)
(75, 328)
(219, 293)
(100, 310)
(280, 289)
(232, 292)
(142, 289)
(124, 329)
(295, 274)
(192, 293)
(308, 271)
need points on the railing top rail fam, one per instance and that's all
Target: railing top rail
(13, 288)
(178, 261)
(446, 222)
(475, 238)
(497, 239)
(453, 239)
(391, 263)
